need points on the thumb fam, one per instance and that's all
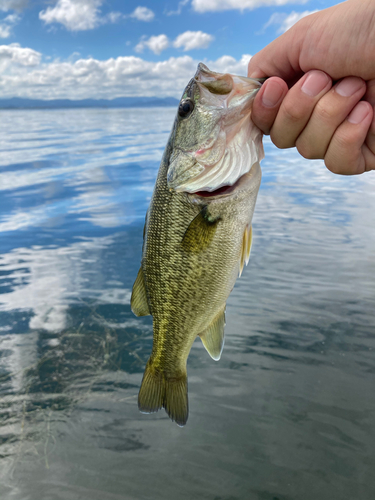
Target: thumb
(279, 58)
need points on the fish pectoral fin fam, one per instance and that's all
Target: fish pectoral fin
(246, 247)
(200, 233)
(138, 302)
(213, 337)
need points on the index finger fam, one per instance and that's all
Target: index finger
(267, 103)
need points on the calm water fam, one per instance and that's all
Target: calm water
(289, 411)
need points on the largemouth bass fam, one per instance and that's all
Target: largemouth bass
(197, 234)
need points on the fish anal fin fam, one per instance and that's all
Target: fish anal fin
(138, 302)
(200, 233)
(247, 240)
(213, 337)
(161, 391)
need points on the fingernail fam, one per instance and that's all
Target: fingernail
(359, 113)
(349, 86)
(272, 94)
(315, 82)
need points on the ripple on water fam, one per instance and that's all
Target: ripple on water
(288, 411)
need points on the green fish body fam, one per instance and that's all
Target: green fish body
(197, 233)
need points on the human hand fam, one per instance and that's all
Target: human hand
(321, 120)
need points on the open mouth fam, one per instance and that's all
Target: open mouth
(221, 191)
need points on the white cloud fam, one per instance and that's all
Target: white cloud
(193, 40)
(7, 24)
(189, 40)
(24, 73)
(5, 30)
(179, 9)
(286, 21)
(75, 15)
(228, 64)
(18, 5)
(113, 17)
(217, 5)
(293, 18)
(143, 14)
(12, 18)
(14, 54)
(155, 43)
(78, 15)
(47, 295)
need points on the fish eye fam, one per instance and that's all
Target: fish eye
(185, 108)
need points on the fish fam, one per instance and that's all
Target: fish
(198, 234)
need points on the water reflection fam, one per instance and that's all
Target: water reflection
(286, 414)
(42, 282)
(92, 165)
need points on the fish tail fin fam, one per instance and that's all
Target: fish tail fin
(176, 399)
(151, 393)
(161, 391)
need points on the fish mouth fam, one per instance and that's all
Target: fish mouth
(248, 181)
(234, 144)
(221, 191)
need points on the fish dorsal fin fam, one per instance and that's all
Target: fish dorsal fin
(200, 233)
(246, 247)
(138, 301)
(213, 336)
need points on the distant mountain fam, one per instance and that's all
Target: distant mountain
(119, 102)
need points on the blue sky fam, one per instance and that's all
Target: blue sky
(110, 48)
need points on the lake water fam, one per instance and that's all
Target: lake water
(289, 411)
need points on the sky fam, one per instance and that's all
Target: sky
(76, 49)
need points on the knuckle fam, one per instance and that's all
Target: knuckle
(293, 113)
(369, 159)
(345, 140)
(370, 138)
(280, 141)
(342, 156)
(334, 165)
(332, 168)
(325, 111)
(307, 150)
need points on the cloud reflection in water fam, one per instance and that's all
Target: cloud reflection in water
(291, 398)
